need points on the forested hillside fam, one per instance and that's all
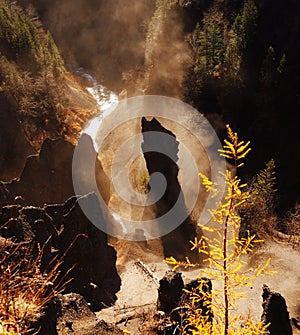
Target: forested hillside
(246, 69)
(36, 91)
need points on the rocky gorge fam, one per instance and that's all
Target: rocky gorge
(103, 272)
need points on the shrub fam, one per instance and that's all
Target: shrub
(24, 289)
(258, 212)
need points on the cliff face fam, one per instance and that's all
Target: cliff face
(43, 216)
(47, 177)
(39, 98)
(262, 94)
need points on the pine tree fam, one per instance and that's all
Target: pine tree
(245, 24)
(258, 212)
(264, 183)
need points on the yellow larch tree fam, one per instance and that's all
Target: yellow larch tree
(225, 258)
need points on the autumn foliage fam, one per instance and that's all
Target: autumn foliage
(225, 262)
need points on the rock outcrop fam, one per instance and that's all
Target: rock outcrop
(66, 233)
(276, 313)
(174, 297)
(70, 314)
(47, 177)
(170, 291)
(166, 165)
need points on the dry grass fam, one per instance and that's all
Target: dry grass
(24, 289)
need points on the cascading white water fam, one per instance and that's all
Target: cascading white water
(106, 100)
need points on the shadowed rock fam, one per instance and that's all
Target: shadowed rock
(70, 313)
(167, 165)
(170, 291)
(14, 146)
(276, 313)
(47, 177)
(67, 234)
(180, 313)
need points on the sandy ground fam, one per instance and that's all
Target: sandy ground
(138, 295)
(285, 261)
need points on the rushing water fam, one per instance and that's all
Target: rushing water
(106, 100)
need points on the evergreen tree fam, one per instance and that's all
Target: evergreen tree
(246, 23)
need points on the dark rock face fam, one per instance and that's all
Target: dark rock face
(46, 325)
(201, 288)
(166, 165)
(67, 234)
(14, 146)
(276, 313)
(170, 291)
(46, 178)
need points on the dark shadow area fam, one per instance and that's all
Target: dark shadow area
(45, 179)
(14, 146)
(66, 234)
(275, 313)
(175, 243)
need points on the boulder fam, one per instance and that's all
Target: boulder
(170, 291)
(276, 313)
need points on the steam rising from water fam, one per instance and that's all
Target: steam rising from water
(122, 149)
(137, 45)
(125, 44)
(166, 53)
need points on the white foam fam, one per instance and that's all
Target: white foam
(107, 102)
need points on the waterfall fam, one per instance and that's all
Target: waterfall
(107, 102)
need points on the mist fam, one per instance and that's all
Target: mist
(109, 40)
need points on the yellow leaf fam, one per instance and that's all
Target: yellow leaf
(207, 228)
